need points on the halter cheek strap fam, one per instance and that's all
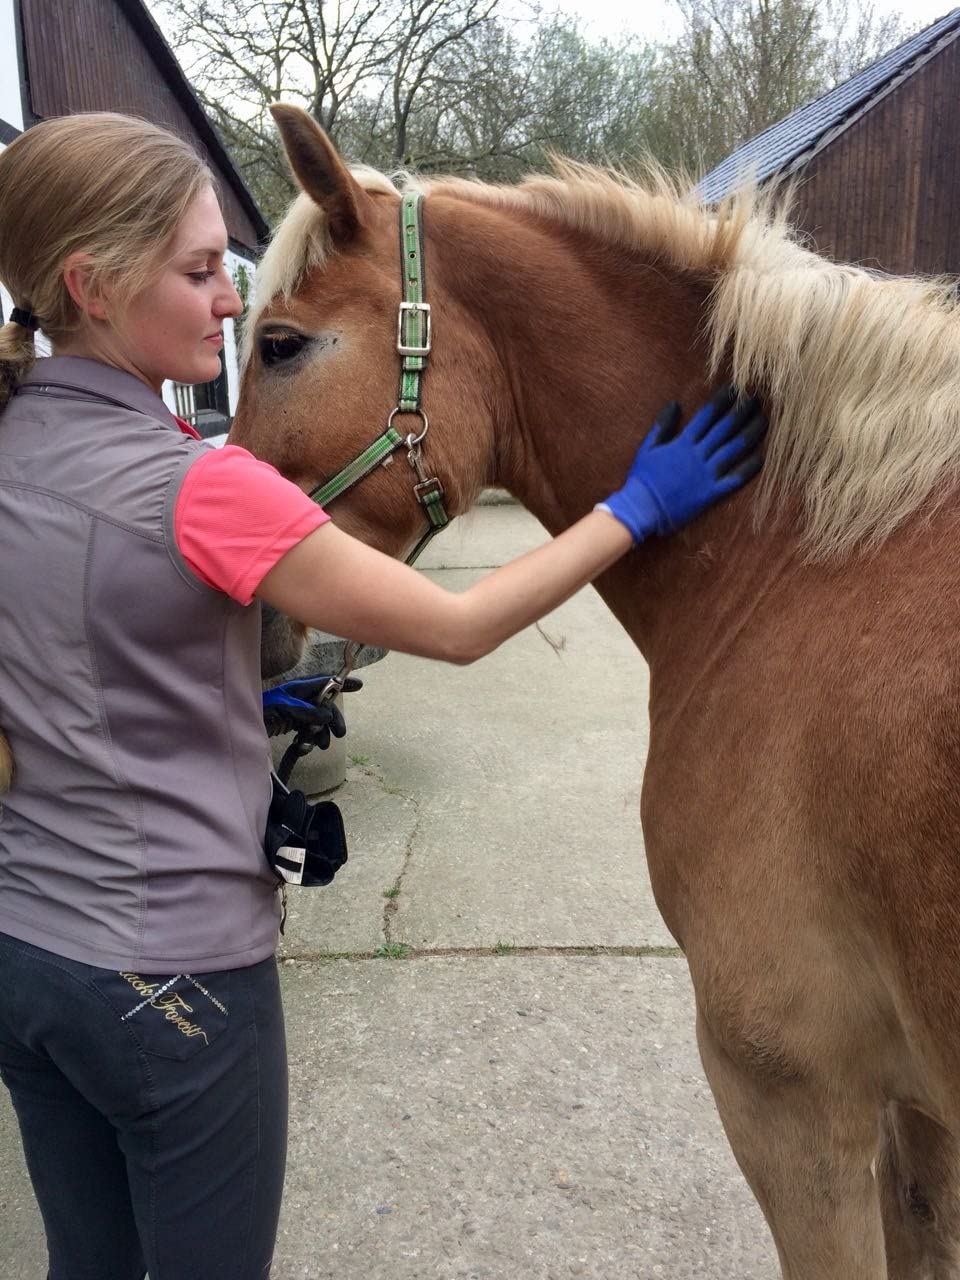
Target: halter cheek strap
(414, 340)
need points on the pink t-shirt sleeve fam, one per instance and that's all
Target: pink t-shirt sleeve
(236, 516)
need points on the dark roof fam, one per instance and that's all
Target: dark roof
(146, 27)
(792, 140)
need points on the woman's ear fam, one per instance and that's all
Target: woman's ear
(76, 276)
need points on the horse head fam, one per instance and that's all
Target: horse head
(321, 358)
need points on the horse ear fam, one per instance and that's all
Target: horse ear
(321, 173)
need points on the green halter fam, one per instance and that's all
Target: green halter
(414, 335)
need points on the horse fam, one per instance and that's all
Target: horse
(800, 798)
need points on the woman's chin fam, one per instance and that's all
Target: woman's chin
(213, 367)
(205, 369)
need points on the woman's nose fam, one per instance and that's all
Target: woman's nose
(229, 302)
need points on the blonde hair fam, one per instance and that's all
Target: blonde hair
(110, 186)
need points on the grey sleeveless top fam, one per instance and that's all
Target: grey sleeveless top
(130, 693)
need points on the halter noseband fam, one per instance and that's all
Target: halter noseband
(414, 337)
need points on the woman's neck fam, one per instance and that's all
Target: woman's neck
(93, 346)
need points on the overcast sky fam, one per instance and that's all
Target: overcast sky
(658, 17)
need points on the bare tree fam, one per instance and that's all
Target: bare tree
(356, 65)
(504, 102)
(861, 34)
(740, 65)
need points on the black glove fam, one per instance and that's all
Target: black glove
(294, 706)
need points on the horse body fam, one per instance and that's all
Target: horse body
(800, 802)
(802, 829)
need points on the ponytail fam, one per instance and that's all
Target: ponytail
(18, 351)
(6, 764)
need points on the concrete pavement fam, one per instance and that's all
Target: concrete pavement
(493, 1067)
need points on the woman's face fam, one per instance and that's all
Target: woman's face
(174, 328)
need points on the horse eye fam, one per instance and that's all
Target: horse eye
(275, 348)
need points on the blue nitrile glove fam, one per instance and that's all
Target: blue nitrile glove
(677, 475)
(293, 705)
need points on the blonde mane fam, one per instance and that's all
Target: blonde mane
(862, 372)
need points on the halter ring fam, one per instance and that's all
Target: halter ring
(411, 439)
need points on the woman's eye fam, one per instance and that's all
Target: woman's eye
(201, 277)
(277, 347)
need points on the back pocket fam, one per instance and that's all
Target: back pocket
(172, 1015)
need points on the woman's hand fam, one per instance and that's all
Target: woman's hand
(296, 704)
(677, 475)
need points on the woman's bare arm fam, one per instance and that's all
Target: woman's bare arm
(338, 584)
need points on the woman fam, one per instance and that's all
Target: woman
(141, 1034)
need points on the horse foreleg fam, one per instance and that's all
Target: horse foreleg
(807, 1155)
(919, 1175)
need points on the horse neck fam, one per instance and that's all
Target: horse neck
(591, 342)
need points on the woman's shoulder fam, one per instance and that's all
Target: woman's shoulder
(88, 395)
(112, 459)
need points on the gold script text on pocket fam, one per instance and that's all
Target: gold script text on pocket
(142, 988)
(169, 1004)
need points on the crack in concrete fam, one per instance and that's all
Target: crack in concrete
(372, 770)
(483, 953)
(498, 951)
(392, 904)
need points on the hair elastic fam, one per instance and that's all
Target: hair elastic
(25, 318)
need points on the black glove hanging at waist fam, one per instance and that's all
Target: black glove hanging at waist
(305, 843)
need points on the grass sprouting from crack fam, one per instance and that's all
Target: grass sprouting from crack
(393, 951)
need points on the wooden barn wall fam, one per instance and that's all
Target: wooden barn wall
(83, 55)
(886, 193)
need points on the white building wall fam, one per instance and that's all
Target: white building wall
(11, 109)
(231, 353)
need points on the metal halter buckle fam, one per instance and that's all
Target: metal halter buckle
(428, 489)
(409, 308)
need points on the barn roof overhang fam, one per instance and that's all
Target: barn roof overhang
(153, 38)
(788, 145)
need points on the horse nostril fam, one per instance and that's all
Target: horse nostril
(917, 1203)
